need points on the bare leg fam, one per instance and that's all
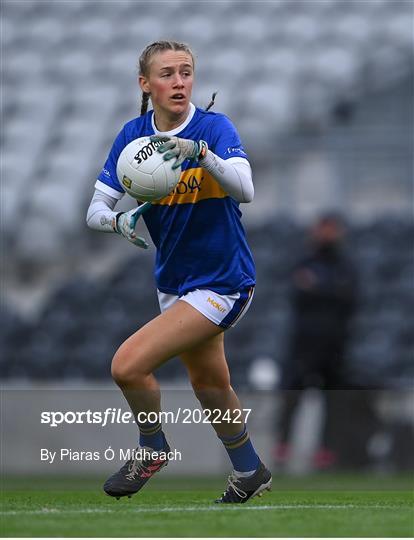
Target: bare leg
(209, 375)
(176, 330)
(183, 331)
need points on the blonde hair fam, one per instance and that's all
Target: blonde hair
(145, 60)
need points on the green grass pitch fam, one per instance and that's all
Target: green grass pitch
(320, 506)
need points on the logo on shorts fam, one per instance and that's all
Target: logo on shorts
(216, 305)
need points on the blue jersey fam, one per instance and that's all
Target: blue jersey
(200, 241)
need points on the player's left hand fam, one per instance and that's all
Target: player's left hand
(180, 149)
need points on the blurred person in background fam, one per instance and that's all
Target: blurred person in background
(323, 297)
(204, 270)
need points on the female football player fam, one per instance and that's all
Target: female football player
(204, 269)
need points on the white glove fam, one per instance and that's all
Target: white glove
(125, 223)
(180, 149)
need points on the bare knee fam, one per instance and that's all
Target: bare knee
(210, 383)
(127, 368)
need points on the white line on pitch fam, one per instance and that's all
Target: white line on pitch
(167, 509)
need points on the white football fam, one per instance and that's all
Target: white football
(143, 173)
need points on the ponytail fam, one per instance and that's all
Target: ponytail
(144, 102)
(213, 97)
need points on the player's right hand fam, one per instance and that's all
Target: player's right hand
(126, 222)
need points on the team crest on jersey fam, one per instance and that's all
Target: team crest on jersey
(126, 181)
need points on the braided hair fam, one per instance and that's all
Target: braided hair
(144, 102)
(145, 59)
(213, 97)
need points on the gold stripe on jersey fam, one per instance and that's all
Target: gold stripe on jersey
(195, 185)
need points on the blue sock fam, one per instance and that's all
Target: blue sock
(241, 452)
(151, 435)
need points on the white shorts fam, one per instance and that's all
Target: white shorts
(223, 310)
